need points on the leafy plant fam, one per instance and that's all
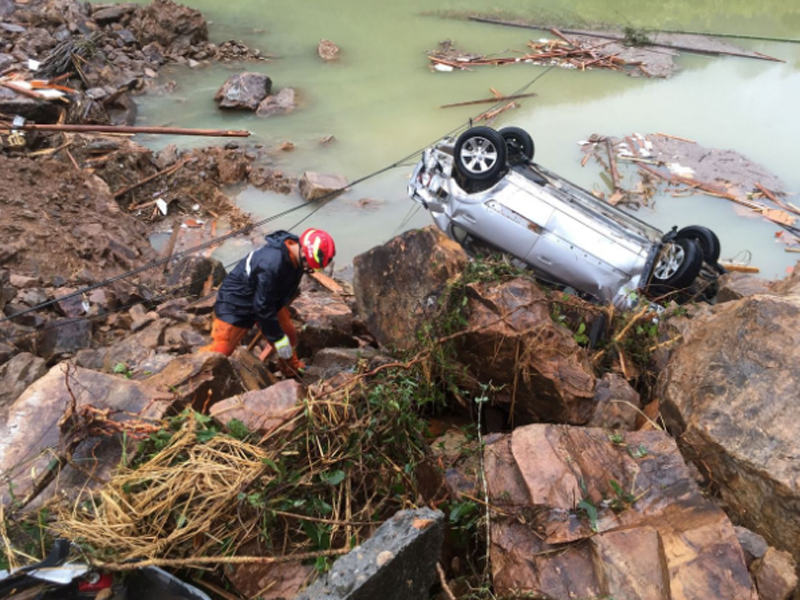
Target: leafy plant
(122, 369)
(639, 451)
(589, 510)
(622, 499)
(580, 335)
(636, 36)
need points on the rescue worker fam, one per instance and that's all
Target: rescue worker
(259, 290)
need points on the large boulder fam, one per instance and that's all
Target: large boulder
(513, 341)
(33, 428)
(15, 377)
(262, 411)
(398, 285)
(729, 392)
(244, 91)
(196, 380)
(581, 513)
(314, 186)
(327, 321)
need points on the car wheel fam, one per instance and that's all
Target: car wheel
(480, 154)
(519, 144)
(677, 266)
(705, 238)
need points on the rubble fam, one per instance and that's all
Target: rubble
(603, 519)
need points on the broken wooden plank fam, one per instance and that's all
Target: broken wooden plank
(739, 268)
(133, 129)
(167, 171)
(675, 137)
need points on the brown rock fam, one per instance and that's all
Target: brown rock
(631, 564)
(615, 404)
(395, 297)
(264, 410)
(789, 286)
(734, 286)
(270, 582)
(22, 282)
(776, 575)
(327, 321)
(314, 186)
(197, 380)
(171, 25)
(554, 485)
(327, 50)
(727, 392)
(513, 341)
(281, 103)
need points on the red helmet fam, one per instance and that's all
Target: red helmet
(318, 248)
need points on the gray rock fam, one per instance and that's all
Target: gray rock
(281, 103)
(754, 545)
(127, 36)
(314, 186)
(15, 377)
(6, 60)
(114, 13)
(397, 563)
(244, 91)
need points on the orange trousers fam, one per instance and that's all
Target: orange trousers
(225, 338)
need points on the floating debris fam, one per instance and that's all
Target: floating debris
(689, 168)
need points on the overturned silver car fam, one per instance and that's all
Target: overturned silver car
(485, 192)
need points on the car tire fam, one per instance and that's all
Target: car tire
(519, 144)
(705, 238)
(480, 154)
(677, 266)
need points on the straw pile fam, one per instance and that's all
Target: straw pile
(324, 479)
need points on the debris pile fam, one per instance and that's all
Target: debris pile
(568, 53)
(656, 161)
(634, 52)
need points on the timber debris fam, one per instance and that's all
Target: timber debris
(663, 163)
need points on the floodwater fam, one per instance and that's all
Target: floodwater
(381, 102)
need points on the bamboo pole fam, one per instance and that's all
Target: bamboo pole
(132, 129)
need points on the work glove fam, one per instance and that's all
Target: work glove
(284, 348)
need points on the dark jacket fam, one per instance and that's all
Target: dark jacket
(260, 285)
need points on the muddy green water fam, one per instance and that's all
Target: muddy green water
(381, 102)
